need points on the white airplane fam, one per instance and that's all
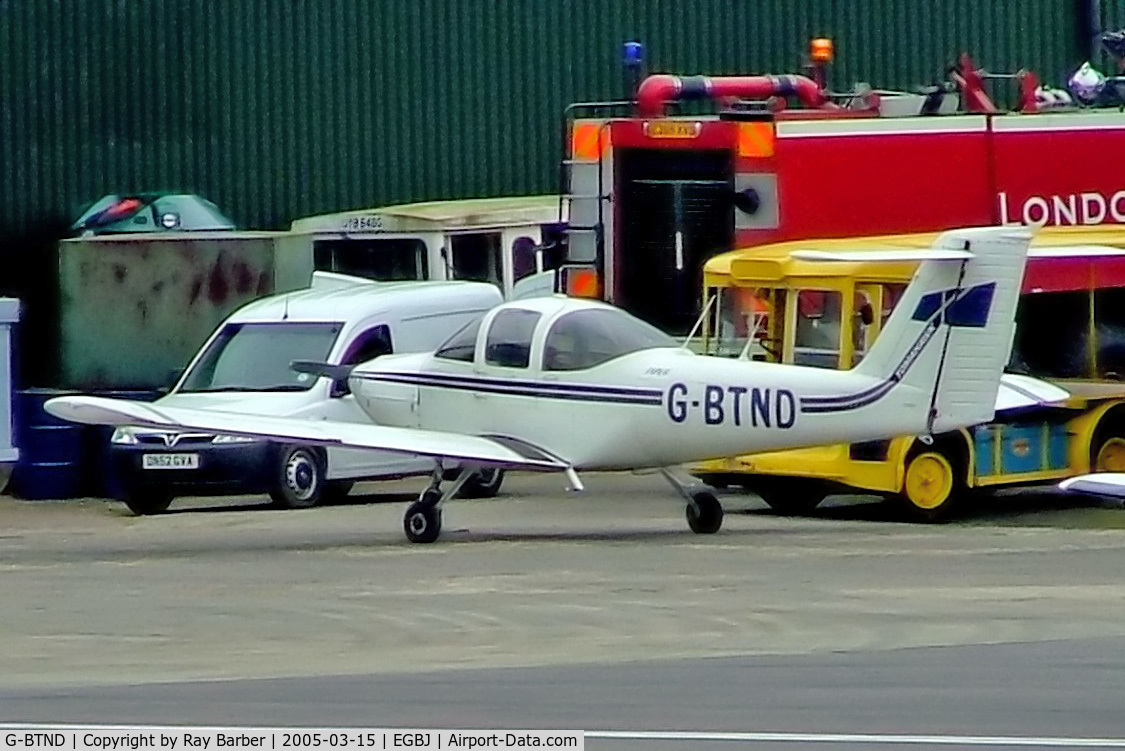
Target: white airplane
(563, 384)
(1100, 484)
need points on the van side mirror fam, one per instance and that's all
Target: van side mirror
(339, 388)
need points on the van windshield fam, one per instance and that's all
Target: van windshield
(256, 357)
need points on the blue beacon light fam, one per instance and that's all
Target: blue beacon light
(633, 54)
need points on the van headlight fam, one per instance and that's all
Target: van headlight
(233, 439)
(123, 437)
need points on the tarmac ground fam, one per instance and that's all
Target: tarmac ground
(228, 591)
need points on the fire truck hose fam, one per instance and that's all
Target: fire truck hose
(656, 90)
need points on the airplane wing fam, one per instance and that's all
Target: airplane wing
(498, 451)
(1103, 484)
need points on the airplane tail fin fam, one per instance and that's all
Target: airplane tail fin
(951, 333)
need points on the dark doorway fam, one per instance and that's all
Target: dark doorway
(674, 212)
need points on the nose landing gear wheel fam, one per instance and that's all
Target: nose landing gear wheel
(422, 522)
(704, 513)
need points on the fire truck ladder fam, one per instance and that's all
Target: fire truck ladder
(583, 194)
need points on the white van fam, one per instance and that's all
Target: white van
(246, 364)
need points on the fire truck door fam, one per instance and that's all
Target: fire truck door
(672, 220)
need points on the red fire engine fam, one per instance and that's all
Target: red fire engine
(651, 197)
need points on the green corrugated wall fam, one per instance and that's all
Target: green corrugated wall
(276, 109)
(1112, 15)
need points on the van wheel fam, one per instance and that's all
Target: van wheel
(931, 485)
(299, 480)
(147, 502)
(336, 491)
(484, 483)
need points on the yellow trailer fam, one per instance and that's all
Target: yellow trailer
(1070, 335)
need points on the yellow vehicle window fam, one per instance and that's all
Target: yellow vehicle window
(892, 293)
(863, 318)
(817, 338)
(742, 317)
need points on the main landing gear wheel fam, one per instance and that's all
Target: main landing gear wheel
(704, 513)
(484, 483)
(422, 522)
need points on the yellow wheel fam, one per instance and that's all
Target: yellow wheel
(929, 485)
(1110, 456)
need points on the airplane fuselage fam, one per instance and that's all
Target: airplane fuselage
(646, 409)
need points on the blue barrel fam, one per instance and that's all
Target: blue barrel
(50, 461)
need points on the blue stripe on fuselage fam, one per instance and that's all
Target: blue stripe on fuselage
(868, 398)
(514, 387)
(872, 394)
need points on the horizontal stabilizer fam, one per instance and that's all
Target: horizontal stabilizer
(882, 256)
(95, 410)
(1111, 484)
(1075, 251)
(935, 254)
(1023, 392)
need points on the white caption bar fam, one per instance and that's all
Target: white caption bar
(136, 738)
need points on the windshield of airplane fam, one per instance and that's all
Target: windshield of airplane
(586, 338)
(463, 344)
(256, 357)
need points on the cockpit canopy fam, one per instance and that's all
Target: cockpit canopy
(585, 338)
(575, 340)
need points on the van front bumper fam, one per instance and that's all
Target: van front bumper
(220, 469)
